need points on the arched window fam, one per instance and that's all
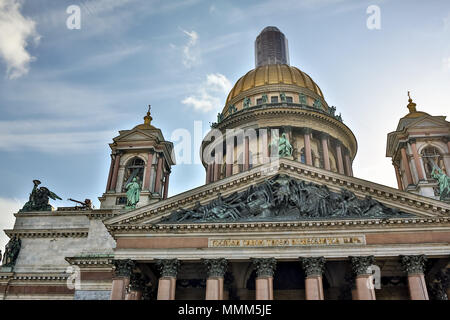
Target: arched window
(134, 168)
(431, 157)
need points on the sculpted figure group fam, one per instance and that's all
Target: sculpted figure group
(39, 199)
(284, 198)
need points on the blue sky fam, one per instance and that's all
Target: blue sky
(64, 93)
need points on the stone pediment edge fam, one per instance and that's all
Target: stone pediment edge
(409, 202)
(369, 225)
(121, 136)
(435, 119)
(48, 233)
(439, 120)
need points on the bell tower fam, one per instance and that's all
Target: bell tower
(420, 143)
(140, 153)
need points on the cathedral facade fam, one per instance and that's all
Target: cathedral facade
(280, 215)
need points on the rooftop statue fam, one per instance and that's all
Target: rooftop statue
(332, 110)
(133, 193)
(38, 200)
(247, 102)
(444, 182)
(12, 250)
(264, 98)
(302, 98)
(317, 104)
(284, 147)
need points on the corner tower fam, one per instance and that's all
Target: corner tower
(141, 152)
(270, 101)
(420, 143)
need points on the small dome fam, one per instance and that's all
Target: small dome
(273, 74)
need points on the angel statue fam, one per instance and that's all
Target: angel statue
(444, 182)
(38, 200)
(133, 193)
(284, 147)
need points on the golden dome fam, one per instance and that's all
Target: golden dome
(273, 74)
(147, 122)
(413, 113)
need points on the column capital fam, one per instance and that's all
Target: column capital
(412, 140)
(215, 267)
(265, 267)
(313, 266)
(137, 281)
(413, 264)
(324, 135)
(306, 130)
(402, 145)
(168, 267)
(123, 268)
(360, 265)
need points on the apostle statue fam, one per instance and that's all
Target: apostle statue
(12, 250)
(38, 199)
(284, 147)
(444, 182)
(133, 193)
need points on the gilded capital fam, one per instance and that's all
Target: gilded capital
(413, 264)
(313, 266)
(215, 267)
(168, 267)
(265, 267)
(360, 265)
(123, 268)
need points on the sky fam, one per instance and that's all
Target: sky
(65, 92)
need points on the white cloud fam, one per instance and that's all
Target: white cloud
(210, 94)
(15, 32)
(7, 209)
(191, 52)
(446, 64)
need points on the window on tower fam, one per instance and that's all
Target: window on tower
(274, 99)
(431, 157)
(134, 168)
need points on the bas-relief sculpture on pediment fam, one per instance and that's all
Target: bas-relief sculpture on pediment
(283, 198)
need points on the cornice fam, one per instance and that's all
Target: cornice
(48, 233)
(101, 214)
(40, 277)
(303, 225)
(409, 202)
(273, 88)
(92, 261)
(248, 115)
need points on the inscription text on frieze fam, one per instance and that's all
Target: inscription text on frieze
(287, 242)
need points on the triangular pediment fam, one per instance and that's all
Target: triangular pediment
(283, 198)
(426, 121)
(137, 135)
(349, 197)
